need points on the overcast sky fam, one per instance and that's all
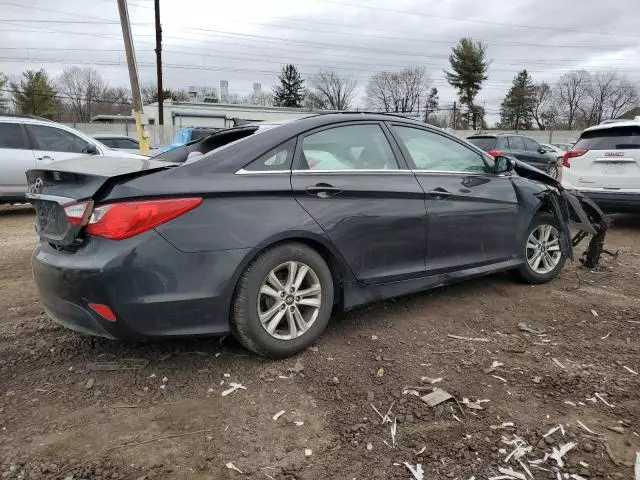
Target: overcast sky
(246, 41)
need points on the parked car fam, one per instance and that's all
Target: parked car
(521, 147)
(188, 135)
(275, 226)
(553, 149)
(122, 143)
(30, 142)
(604, 164)
(562, 146)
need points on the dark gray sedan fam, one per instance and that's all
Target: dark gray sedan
(269, 228)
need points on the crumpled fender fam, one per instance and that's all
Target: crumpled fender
(571, 209)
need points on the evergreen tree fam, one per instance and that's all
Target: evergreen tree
(3, 98)
(469, 69)
(291, 91)
(432, 103)
(34, 95)
(517, 106)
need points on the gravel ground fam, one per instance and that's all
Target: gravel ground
(164, 416)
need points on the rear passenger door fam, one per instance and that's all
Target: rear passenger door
(51, 143)
(356, 186)
(471, 211)
(537, 159)
(16, 158)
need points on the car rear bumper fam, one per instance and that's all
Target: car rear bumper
(154, 289)
(615, 201)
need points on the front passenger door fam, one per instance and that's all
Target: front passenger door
(537, 159)
(349, 179)
(471, 212)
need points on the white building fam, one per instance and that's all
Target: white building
(201, 114)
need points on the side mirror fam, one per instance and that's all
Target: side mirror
(542, 150)
(91, 149)
(504, 164)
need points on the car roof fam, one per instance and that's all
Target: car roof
(8, 117)
(620, 123)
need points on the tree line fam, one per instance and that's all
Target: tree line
(577, 100)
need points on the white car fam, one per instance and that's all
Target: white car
(30, 142)
(604, 164)
(122, 143)
(553, 149)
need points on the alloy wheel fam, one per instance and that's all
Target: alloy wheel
(289, 300)
(543, 249)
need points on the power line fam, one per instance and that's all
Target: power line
(102, 22)
(73, 14)
(456, 19)
(41, 93)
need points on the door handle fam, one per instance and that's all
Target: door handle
(323, 190)
(46, 158)
(439, 193)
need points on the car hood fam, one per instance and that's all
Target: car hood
(527, 171)
(123, 154)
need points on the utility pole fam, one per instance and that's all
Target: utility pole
(455, 119)
(138, 114)
(159, 63)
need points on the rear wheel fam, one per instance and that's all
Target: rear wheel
(552, 170)
(543, 256)
(283, 301)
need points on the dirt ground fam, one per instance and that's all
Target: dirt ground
(165, 417)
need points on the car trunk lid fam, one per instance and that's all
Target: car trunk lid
(60, 185)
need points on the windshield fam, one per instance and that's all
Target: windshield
(484, 143)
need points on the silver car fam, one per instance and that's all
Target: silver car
(31, 142)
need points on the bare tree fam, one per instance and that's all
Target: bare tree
(397, 91)
(83, 88)
(573, 93)
(332, 91)
(623, 97)
(541, 103)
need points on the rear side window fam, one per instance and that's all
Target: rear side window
(484, 143)
(56, 140)
(276, 159)
(617, 138)
(516, 143)
(530, 144)
(125, 143)
(109, 142)
(351, 147)
(11, 136)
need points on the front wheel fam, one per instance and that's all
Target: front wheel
(552, 170)
(283, 301)
(543, 257)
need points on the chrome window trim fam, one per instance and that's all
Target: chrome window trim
(51, 198)
(452, 172)
(242, 171)
(380, 171)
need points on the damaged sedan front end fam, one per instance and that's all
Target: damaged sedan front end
(572, 211)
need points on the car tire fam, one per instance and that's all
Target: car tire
(552, 170)
(250, 303)
(526, 271)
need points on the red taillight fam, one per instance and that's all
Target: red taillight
(103, 310)
(569, 154)
(495, 153)
(118, 221)
(78, 213)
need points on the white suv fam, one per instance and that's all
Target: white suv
(604, 164)
(29, 142)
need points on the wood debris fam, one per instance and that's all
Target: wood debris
(557, 454)
(468, 339)
(431, 380)
(603, 400)
(124, 364)
(417, 472)
(512, 473)
(558, 363)
(606, 336)
(436, 397)
(421, 451)
(585, 428)
(278, 415)
(499, 378)
(234, 387)
(594, 313)
(633, 372)
(231, 466)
